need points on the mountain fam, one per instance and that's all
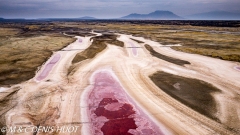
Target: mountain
(215, 15)
(157, 15)
(87, 18)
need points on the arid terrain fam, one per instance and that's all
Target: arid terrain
(120, 77)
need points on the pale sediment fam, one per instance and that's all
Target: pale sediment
(48, 67)
(89, 96)
(134, 49)
(237, 68)
(80, 40)
(2, 89)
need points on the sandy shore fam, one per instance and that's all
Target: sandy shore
(59, 99)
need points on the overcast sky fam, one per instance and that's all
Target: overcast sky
(109, 8)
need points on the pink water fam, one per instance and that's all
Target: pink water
(113, 112)
(237, 68)
(134, 49)
(48, 67)
(80, 40)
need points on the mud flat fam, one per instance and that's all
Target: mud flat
(109, 87)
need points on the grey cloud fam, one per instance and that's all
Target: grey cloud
(108, 8)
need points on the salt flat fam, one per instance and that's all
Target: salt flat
(59, 98)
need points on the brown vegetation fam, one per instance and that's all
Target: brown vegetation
(21, 55)
(137, 41)
(194, 93)
(99, 44)
(222, 41)
(224, 54)
(28, 45)
(166, 58)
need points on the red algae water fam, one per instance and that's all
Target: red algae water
(48, 67)
(112, 112)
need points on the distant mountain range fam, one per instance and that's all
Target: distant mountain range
(167, 15)
(157, 15)
(12, 20)
(214, 15)
(87, 18)
(80, 18)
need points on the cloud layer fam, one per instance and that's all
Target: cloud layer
(108, 8)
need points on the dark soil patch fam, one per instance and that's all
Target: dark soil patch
(99, 44)
(166, 58)
(194, 93)
(138, 41)
(79, 33)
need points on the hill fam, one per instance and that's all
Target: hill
(156, 15)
